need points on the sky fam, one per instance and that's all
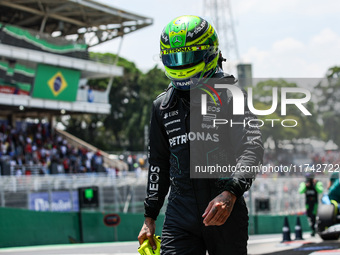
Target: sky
(281, 38)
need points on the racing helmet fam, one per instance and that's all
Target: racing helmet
(310, 176)
(189, 51)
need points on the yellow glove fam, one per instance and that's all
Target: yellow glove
(146, 249)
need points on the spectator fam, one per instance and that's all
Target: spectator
(33, 144)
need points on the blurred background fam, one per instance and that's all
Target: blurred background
(77, 81)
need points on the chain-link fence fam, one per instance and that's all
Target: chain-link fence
(126, 193)
(280, 194)
(123, 194)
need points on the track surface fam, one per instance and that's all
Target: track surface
(259, 244)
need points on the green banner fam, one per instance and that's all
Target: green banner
(56, 83)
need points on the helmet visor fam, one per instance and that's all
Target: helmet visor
(184, 55)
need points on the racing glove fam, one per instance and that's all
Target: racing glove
(146, 249)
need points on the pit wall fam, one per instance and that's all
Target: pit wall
(21, 227)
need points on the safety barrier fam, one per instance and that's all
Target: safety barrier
(21, 227)
(272, 224)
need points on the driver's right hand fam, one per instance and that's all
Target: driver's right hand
(147, 232)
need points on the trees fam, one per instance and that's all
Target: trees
(131, 98)
(307, 126)
(132, 94)
(329, 105)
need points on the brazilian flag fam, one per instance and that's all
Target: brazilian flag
(56, 83)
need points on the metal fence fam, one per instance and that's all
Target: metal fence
(123, 194)
(126, 193)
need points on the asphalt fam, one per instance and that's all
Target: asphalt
(257, 244)
(308, 246)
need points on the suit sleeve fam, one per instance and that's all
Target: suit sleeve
(302, 188)
(245, 136)
(319, 187)
(158, 175)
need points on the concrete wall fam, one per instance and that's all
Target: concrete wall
(271, 224)
(19, 227)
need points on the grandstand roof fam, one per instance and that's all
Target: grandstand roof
(72, 17)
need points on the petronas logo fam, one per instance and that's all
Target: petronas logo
(57, 83)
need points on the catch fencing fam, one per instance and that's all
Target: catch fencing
(126, 193)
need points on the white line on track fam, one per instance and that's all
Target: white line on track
(266, 240)
(67, 246)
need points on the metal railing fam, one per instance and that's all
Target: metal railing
(123, 194)
(127, 193)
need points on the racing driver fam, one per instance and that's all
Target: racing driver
(203, 213)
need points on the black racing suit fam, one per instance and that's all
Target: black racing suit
(169, 158)
(311, 203)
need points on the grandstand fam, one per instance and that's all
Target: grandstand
(44, 60)
(44, 69)
(44, 72)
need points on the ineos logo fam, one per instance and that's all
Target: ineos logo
(213, 109)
